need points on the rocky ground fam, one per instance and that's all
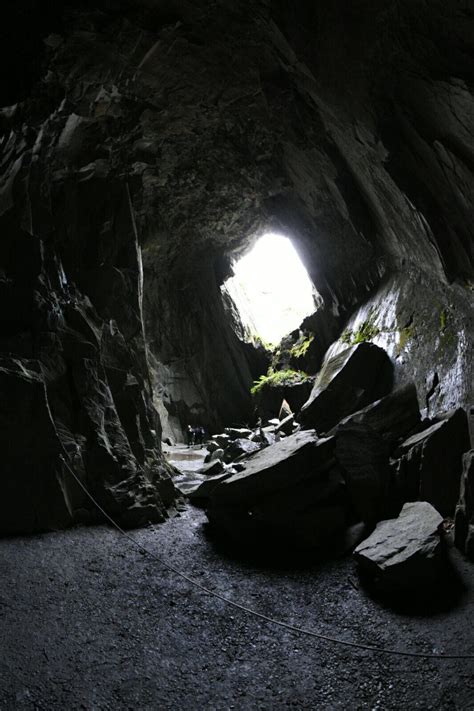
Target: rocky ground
(87, 622)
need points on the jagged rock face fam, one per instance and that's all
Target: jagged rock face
(148, 141)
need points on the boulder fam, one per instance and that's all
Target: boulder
(222, 439)
(211, 446)
(404, 553)
(363, 457)
(213, 456)
(286, 425)
(285, 410)
(347, 382)
(290, 494)
(393, 417)
(204, 489)
(238, 432)
(240, 448)
(464, 518)
(430, 463)
(213, 468)
(280, 466)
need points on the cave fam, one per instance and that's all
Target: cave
(148, 147)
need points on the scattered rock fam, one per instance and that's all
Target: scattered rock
(213, 468)
(211, 446)
(285, 410)
(464, 519)
(213, 456)
(238, 432)
(404, 553)
(349, 381)
(222, 439)
(286, 425)
(240, 448)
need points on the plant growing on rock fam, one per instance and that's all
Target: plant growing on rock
(367, 331)
(300, 348)
(278, 379)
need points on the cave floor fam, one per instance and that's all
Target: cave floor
(88, 622)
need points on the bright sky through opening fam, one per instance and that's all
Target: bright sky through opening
(271, 288)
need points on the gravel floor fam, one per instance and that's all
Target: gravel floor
(87, 622)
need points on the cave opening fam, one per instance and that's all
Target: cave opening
(271, 288)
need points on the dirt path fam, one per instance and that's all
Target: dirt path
(87, 622)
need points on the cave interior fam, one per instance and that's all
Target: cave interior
(146, 146)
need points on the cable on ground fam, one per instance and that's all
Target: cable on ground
(249, 610)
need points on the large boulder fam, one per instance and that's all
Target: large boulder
(363, 457)
(430, 463)
(404, 553)
(289, 494)
(347, 382)
(464, 519)
(280, 466)
(393, 417)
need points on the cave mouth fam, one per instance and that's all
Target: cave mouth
(271, 288)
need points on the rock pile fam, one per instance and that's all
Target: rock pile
(303, 488)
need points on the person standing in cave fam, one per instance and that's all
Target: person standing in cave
(198, 435)
(190, 435)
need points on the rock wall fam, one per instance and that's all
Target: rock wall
(145, 143)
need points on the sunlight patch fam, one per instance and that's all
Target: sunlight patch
(271, 288)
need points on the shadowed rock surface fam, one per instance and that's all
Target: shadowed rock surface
(404, 553)
(464, 519)
(430, 463)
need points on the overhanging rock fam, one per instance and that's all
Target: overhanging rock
(347, 382)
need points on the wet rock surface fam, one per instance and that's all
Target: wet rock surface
(464, 519)
(430, 462)
(347, 382)
(106, 627)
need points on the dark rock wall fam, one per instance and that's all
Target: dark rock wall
(145, 142)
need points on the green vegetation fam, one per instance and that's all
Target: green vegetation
(405, 336)
(443, 319)
(259, 342)
(366, 332)
(300, 348)
(277, 378)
